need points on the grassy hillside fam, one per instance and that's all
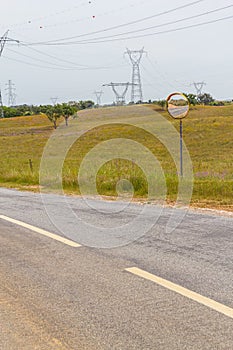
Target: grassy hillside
(208, 134)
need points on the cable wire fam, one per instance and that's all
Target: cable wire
(56, 68)
(124, 24)
(161, 25)
(36, 59)
(142, 36)
(33, 64)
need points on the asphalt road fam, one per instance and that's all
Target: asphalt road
(54, 296)
(177, 112)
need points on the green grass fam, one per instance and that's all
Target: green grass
(208, 134)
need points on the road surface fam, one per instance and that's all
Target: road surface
(57, 296)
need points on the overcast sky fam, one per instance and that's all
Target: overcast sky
(173, 61)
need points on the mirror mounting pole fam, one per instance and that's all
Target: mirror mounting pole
(178, 107)
(181, 148)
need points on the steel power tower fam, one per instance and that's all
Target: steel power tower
(199, 87)
(120, 96)
(3, 40)
(135, 57)
(98, 95)
(11, 93)
(1, 106)
(54, 100)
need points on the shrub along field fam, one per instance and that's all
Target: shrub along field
(208, 135)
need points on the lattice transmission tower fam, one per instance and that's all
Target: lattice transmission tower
(120, 96)
(54, 100)
(199, 87)
(135, 57)
(10, 89)
(1, 106)
(98, 95)
(3, 40)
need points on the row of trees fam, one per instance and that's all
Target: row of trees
(63, 109)
(60, 110)
(204, 99)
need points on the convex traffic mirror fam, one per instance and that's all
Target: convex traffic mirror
(177, 105)
(178, 108)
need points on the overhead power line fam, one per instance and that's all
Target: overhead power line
(160, 25)
(38, 59)
(54, 57)
(71, 9)
(94, 41)
(76, 66)
(99, 15)
(149, 34)
(40, 66)
(41, 18)
(121, 25)
(54, 68)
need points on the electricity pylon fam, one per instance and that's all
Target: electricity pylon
(120, 96)
(98, 97)
(4, 39)
(199, 87)
(1, 106)
(54, 100)
(135, 57)
(11, 93)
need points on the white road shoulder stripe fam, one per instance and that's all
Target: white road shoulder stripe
(214, 305)
(41, 231)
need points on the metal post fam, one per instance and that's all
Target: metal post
(31, 165)
(181, 148)
(178, 111)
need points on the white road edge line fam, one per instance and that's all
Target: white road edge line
(214, 305)
(41, 231)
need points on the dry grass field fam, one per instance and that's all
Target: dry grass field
(208, 135)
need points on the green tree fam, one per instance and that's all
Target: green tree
(53, 114)
(192, 99)
(205, 99)
(10, 112)
(67, 111)
(161, 103)
(85, 104)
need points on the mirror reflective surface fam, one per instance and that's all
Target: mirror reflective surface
(177, 105)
